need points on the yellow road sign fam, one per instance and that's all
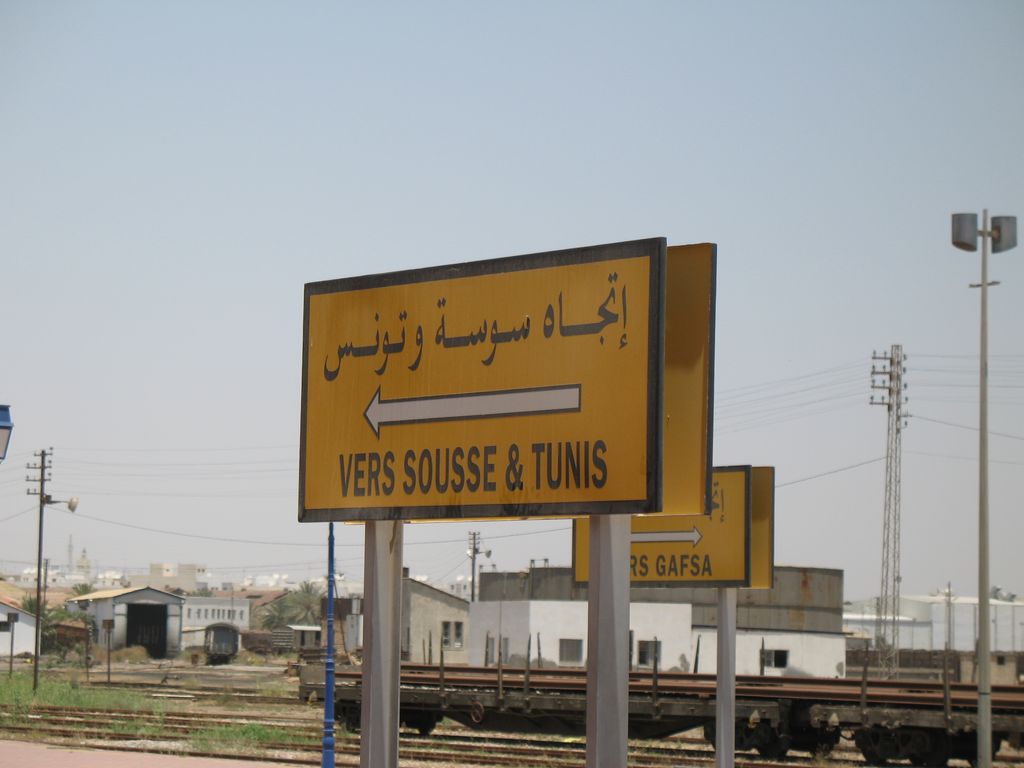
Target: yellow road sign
(732, 546)
(514, 388)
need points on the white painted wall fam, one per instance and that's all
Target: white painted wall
(23, 636)
(201, 612)
(814, 654)
(555, 620)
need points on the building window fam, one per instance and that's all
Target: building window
(647, 651)
(458, 634)
(188, 613)
(446, 634)
(775, 659)
(570, 651)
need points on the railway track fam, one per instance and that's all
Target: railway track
(171, 732)
(199, 693)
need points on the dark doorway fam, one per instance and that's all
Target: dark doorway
(147, 626)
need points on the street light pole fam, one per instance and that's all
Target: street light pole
(984, 627)
(1003, 234)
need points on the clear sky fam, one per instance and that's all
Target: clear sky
(172, 174)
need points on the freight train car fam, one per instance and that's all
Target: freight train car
(928, 723)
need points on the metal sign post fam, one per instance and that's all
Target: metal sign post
(725, 696)
(88, 646)
(108, 627)
(327, 755)
(12, 619)
(608, 643)
(382, 617)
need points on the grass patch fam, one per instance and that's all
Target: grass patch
(246, 737)
(137, 729)
(16, 693)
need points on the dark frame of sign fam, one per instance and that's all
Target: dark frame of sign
(654, 249)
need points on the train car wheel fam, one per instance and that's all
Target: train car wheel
(778, 747)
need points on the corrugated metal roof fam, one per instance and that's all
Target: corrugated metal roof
(103, 594)
(106, 594)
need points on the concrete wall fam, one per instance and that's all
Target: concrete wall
(809, 654)
(424, 610)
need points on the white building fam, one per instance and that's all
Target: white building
(140, 616)
(797, 623)
(556, 632)
(928, 622)
(188, 577)
(784, 654)
(22, 631)
(198, 613)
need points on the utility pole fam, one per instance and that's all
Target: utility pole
(888, 377)
(43, 466)
(474, 550)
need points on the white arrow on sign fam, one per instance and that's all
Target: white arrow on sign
(669, 536)
(472, 405)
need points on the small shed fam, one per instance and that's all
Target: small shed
(304, 636)
(141, 616)
(22, 630)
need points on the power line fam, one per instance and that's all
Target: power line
(831, 472)
(284, 543)
(965, 426)
(17, 514)
(204, 537)
(965, 458)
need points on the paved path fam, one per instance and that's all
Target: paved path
(30, 755)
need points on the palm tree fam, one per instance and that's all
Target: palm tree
(81, 589)
(47, 620)
(306, 603)
(275, 614)
(299, 607)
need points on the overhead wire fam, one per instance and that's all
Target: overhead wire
(836, 471)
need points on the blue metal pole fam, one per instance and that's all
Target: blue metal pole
(327, 757)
